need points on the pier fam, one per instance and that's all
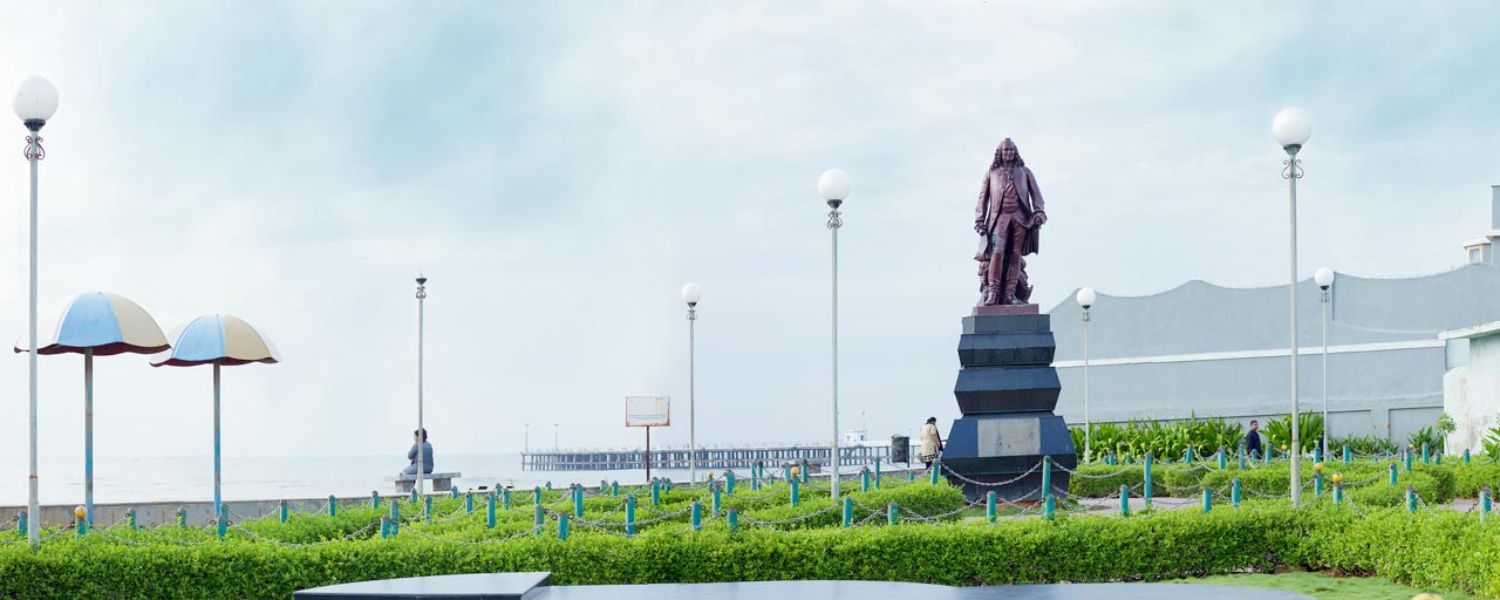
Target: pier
(708, 458)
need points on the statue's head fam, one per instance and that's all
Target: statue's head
(1007, 155)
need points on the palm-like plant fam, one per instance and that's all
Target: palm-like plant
(1309, 431)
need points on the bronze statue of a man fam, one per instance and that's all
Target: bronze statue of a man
(1008, 219)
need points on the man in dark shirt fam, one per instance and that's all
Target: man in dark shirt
(1252, 440)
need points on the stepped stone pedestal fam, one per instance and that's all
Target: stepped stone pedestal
(1007, 390)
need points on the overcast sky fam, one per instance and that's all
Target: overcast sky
(559, 170)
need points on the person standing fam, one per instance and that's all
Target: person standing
(932, 442)
(1252, 440)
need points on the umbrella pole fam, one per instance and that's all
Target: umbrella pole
(88, 434)
(218, 504)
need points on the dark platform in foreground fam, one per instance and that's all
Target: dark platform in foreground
(509, 586)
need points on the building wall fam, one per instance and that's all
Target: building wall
(1211, 351)
(1471, 394)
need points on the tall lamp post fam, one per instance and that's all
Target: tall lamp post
(691, 294)
(1291, 128)
(421, 335)
(554, 437)
(834, 186)
(1085, 300)
(36, 101)
(1324, 278)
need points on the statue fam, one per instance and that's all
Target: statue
(1008, 219)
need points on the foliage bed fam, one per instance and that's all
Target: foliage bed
(1363, 479)
(1435, 548)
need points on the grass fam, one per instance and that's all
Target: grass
(1326, 587)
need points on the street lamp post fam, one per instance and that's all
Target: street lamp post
(834, 186)
(1291, 128)
(1324, 278)
(691, 294)
(421, 335)
(35, 102)
(1085, 300)
(554, 437)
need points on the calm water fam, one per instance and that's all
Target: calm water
(191, 478)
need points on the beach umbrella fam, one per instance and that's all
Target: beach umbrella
(95, 324)
(218, 340)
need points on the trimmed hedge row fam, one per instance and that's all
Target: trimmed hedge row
(1430, 548)
(1434, 482)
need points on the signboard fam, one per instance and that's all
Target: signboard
(648, 411)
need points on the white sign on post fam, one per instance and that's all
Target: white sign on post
(648, 411)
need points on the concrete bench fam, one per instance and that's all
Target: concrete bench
(441, 482)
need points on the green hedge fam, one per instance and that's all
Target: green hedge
(1429, 548)
(1434, 483)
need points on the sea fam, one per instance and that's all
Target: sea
(190, 478)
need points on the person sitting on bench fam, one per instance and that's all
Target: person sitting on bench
(418, 437)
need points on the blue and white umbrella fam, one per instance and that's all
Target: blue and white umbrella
(217, 340)
(95, 323)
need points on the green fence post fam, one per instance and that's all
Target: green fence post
(1235, 493)
(469, 502)
(697, 516)
(1318, 483)
(536, 496)
(1411, 498)
(989, 506)
(1049, 507)
(911, 475)
(21, 522)
(786, 471)
(1046, 476)
(385, 527)
(414, 494)
(1242, 458)
(1484, 503)
(1393, 474)
(1347, 454)
(892, 517)
(848, 512)
(453, 493)
(374, 499)
(562, 526)
(864, 480)
(333, 506)
(655, 493)
(505, 498)
(539, 517)
(1437, 458)
(131, 516)
(395, 527)
(937, 467)
(82, 525)
(877, 473)
(1146, 484)
(718, 502)
(281, 510)
(578, 502)
(1338, 493)
(489, 512)
(427, 508)
(734, 519)
(182, 517)
(614, 488)
(1466, 456)
(223, 521)
(796, 492)
(1407, 458)
(1266, 457)
(805, 471)
(630, 515)
(1222, 459)
(1124, 500)
(395, 510)
(1208, 500)
(1187, 455)
(728, 486)
(1426, 458)
(1318, 453)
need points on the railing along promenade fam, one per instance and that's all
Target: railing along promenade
(708, 458)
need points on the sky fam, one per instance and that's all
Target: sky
(560, 170)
